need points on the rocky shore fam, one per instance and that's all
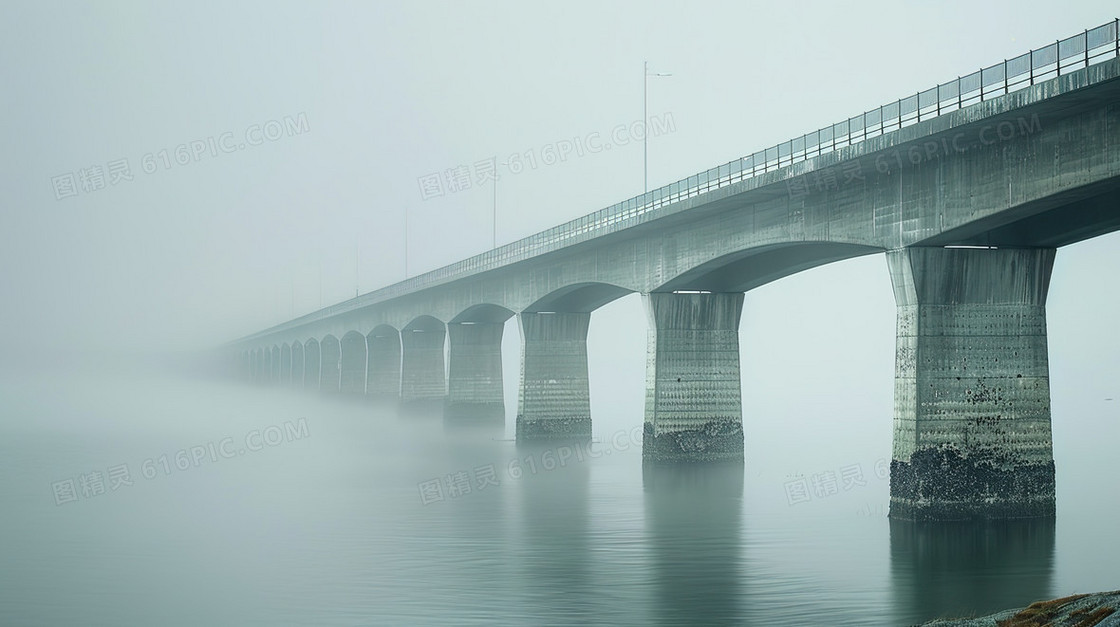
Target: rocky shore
(1101, 609)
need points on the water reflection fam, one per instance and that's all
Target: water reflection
(969, 568)
(555, 558)
(693, 521)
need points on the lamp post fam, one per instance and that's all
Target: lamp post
(645, 122)
(494, 210)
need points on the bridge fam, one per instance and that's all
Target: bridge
(967, 188)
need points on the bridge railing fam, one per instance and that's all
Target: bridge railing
(1063, 56)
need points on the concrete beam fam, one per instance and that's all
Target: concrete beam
(694, 407)
(474, 385)
(554, 401)
(972, 432)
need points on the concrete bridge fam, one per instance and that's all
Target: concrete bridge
(968, 188)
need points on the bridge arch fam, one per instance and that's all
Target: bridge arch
(483, 314)
(578, 298)
(746, 269)
(383, 363)
(353, 363)
(313, 364)
(330, 356)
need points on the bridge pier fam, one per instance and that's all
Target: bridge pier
(972, 432)
(352, 362)
(474, 385)
(694, 408)
(383, 367)
(554, 400)
(423, 378)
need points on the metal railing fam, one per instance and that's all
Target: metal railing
(1063, 56)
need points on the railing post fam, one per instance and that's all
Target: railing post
(1058, 56)
(1006, 79)
(960, 94)
(1030, 61)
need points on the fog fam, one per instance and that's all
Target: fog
(177, 176)
(381, 95)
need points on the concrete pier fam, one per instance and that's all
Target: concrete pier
(423, 378)
(474, 385)
(330, 376)
(972, 432)
(554, 401)
(312, 365)
(693, 391)
(297, 365)
(383, 367)
(353, 364)
(285, 365)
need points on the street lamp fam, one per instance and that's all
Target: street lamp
(645, 121)
(494, 212)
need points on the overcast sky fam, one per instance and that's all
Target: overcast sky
(199, 244)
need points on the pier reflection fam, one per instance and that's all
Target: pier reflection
(951, 569)
(693, 519)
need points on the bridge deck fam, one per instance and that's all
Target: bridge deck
(964, 97)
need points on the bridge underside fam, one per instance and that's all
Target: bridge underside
(1013, 177)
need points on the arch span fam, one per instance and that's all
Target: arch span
(483, 314)
(578, 298)
(747, 269)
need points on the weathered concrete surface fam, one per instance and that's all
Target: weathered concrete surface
(1101, 609)
(693, 391)
(554, 401)
(423, 378)
(972, 387)
(383, 368)
(474, 383)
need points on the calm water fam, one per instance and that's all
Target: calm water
(329, 525)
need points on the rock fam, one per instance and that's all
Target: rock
(1101, 609)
